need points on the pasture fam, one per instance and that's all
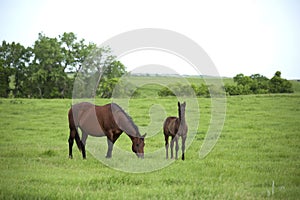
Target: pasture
(256, 157)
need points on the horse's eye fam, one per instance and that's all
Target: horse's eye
(137, 145)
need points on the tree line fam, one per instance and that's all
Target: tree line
(49, 67)
(243, 85)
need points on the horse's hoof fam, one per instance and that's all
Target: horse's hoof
(70, 157)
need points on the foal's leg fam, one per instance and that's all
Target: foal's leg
(167, 145)
(71, 142)
(176, 147)
(172, 147)
(83, 142)
(183, 146)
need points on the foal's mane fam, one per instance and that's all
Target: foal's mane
(117, 108)
(179, 111)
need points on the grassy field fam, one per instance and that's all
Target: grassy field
(256, 157)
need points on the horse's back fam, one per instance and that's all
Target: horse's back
(85, 116)
(77, 109)
(170, 125)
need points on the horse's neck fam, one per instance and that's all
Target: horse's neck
(182, 120)
(181, 117)
(128, 127)
(124, 122)
(131, 132)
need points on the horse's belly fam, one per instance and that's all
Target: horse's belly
(94, 132)
(91, 126)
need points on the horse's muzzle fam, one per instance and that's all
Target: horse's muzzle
(140, 155)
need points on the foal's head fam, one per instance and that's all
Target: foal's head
(138, 146)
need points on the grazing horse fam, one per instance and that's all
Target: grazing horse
(176, 127)
(109, 120)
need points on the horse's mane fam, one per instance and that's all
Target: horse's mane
(119, 109)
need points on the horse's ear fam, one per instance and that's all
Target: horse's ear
(178, 104)
(143, 136)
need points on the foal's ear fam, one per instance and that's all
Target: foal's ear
(143, 136)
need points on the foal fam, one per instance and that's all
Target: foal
(176, 127)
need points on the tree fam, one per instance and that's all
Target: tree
(5, 70)
(240, 79)
(280, 85)
(14, 59)
(74, 51)
(4, 81)
(53, 58)
(49, 68)
(260, 84)
(99, 74)
(110, 79)
(47, 73)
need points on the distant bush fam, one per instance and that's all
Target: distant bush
(280, 85)
(185, 90)
(258, 84)
(176, 89)
(165, 91)
(243, 85)
(117, 88)
(201, 91)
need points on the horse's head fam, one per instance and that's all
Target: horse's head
(138, 146)
(181, 110)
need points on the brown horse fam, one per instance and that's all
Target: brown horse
(109, 120)
(176, 127)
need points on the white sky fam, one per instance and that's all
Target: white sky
(239, 36)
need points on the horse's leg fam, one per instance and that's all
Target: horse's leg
(183, 146)
(177, 146)
(111, 138)
(71, 142)
(172, 146)
(110, 145)
(167, 145)
(83, 142)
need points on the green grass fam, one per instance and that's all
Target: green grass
(256, 157)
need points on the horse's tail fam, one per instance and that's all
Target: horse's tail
(74, 129)
(77, 139)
